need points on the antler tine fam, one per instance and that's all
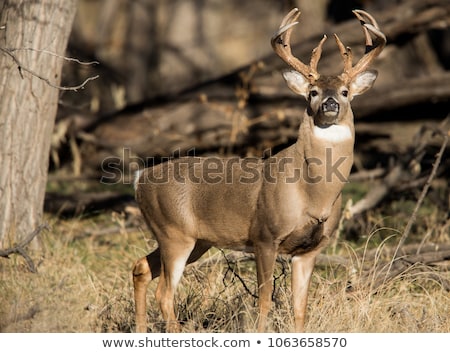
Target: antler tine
(360, 14)
(373, 47)
(346, 53)
(291, 17)
(315, 57)
(281, 44)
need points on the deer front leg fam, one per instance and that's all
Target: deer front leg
(302, 268)
(265, 262)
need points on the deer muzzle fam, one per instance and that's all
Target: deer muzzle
(330, 107)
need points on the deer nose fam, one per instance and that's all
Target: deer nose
(330, 105)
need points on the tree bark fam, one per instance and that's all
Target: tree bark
(33, 38)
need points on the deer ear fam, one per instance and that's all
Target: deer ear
(297, 82)
(362, 82)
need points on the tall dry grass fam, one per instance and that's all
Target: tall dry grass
(83, 284)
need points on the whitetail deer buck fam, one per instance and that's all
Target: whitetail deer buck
(289, 203)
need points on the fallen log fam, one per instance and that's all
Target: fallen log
(85, 204)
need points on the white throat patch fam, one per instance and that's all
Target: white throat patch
(333, 133)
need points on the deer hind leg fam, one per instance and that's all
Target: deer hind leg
(149, 268)
(144, 270)
(173, 261)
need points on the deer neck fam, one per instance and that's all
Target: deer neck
(326, 153)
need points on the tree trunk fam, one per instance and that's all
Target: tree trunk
(32, 36)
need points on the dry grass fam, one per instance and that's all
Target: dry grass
(84, 284)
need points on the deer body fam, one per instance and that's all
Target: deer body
(246, 200)
(288, 203)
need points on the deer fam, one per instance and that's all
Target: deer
(289, 203)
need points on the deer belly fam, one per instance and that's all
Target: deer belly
(224, 231)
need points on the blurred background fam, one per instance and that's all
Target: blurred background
(199, 77)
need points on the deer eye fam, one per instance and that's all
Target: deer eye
(345, 93)
(313, 93)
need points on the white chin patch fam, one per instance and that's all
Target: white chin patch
(333, 133)
(330, 114)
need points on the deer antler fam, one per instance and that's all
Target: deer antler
(281, 44)
(373, 47)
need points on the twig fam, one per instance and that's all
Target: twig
(21, 68)
(233, 271)
(19, 248)
(94, 62)
(424, 192)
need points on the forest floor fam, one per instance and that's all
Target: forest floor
(83, 281)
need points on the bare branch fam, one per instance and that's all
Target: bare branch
(94, 62)
(19, 248)
(46, 80)
(424, 192)
(399, 264)
(236, 275)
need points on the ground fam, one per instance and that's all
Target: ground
(83, 282)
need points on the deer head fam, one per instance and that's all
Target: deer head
(329, 97)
